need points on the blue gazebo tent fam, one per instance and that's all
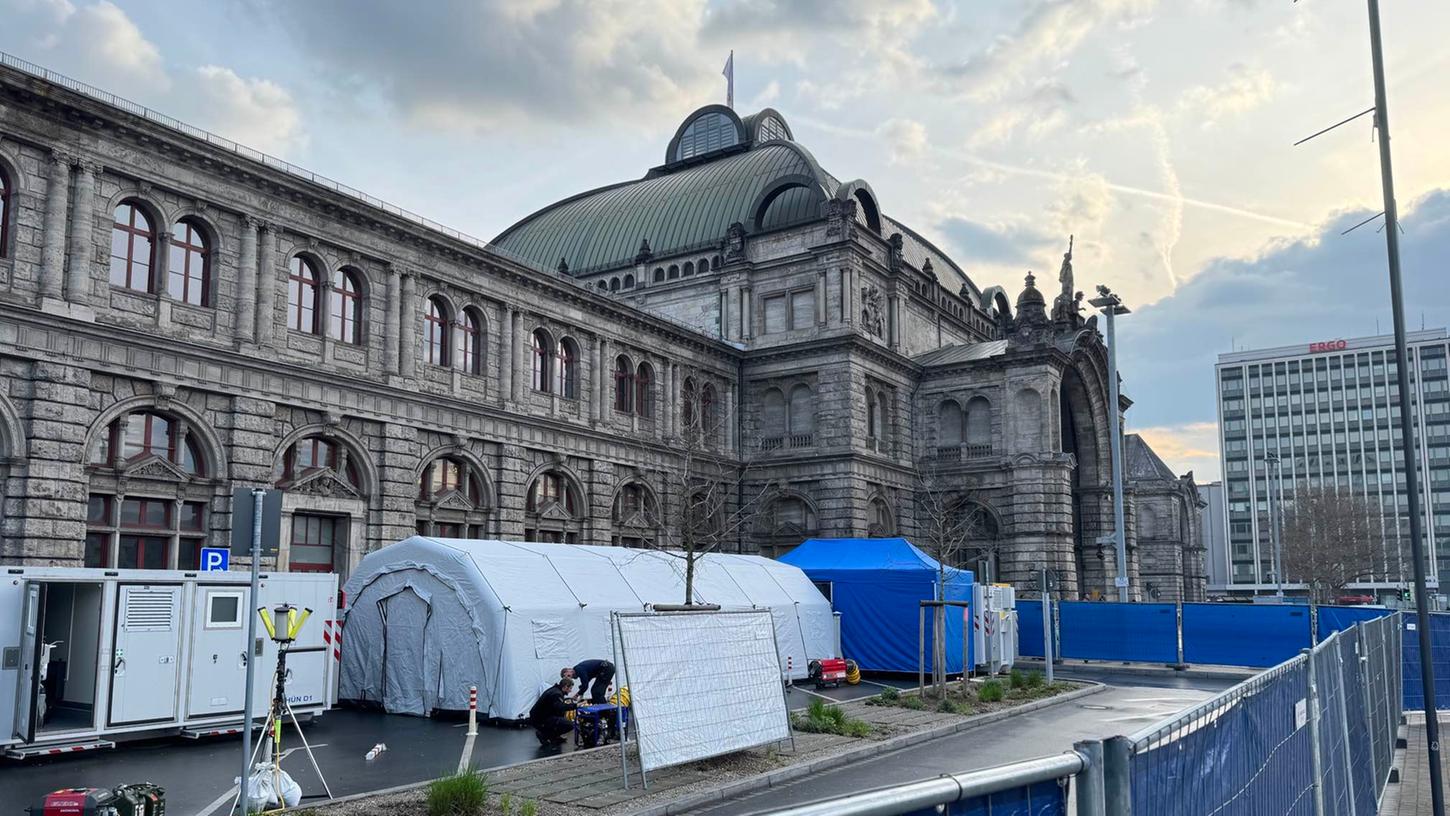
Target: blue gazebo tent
(876, 584)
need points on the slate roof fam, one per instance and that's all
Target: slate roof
(962, 353)
(1142, 462)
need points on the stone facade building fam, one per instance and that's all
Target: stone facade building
(180, 316)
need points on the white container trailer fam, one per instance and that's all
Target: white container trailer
(90, 656)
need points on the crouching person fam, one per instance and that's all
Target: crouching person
(547, 715)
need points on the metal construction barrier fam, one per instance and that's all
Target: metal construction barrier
(1029, 627)
(1033, 787)
(1100, 630)
(1313, 735)
(1244, 634)
(1414, 685)
(1331, 619)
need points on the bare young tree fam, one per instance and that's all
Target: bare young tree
(1330, 538)
(713, 502)
(953, 529)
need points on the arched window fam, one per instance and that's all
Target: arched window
(659, 274)
(674, 271)
(883, 420)
(879, 519)
(689, 410)
(144, 434)
(190, 262)
(689, 269)
(703, 266)
(628, 281)
(603, 285)
(302, 280)
(436, 329)
(614, 284)
(312, 454)
(149, 494)
(715, 262)
(552, 509)
(344, 322)
(132, 248)
(949, 424)
(707, 410)
(566, 369)
(979, 421)
(643, 396)
(802, 416)
(635, 517)
(772, 419)
(470, 342)
(451, 500)
(623, 385)
(543, 360)
(6, 188)
(787, 521)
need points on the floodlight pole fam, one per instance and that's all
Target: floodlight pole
(1112, 305)
(257, 494)
(1407, 436)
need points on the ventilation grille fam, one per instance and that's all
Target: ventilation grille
(149, 611)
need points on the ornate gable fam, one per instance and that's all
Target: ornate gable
(154, 467)
(326, 483)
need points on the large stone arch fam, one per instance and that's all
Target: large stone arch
(212, 448)
(357, 450)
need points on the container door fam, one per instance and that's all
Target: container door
(306, 679)
(144, 669)
(30, 646)
(218, 678)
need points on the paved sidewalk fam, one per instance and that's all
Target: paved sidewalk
(1411, 795)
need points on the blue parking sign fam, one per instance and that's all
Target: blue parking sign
(215, 559)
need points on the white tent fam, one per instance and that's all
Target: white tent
(428, 617)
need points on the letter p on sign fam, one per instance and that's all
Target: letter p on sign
(215, 559)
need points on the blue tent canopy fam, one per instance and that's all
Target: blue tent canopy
(877, 585)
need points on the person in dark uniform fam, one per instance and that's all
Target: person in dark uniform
(547, 715)
(598, 672)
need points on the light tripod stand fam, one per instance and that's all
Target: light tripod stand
(282, 624)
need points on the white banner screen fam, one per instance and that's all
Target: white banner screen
(702, 684)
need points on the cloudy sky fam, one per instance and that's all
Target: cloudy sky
(1157, 131)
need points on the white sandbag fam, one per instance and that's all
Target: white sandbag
(263, 789)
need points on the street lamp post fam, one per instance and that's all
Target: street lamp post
(1271, 463)
(1111, 306)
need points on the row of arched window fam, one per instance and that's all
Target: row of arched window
(788, 418)
(676, 271)
(970, 426)
(187, 268)
(6, 189)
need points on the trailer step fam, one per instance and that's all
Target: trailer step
(32, 751)
(227, 730)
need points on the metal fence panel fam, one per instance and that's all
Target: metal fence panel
(1245, 752)
(1097, 630)
(1414, 689)
(1029, 628)
(1244, 634)
(1338, 618)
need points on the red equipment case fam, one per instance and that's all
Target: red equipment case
(77, 802)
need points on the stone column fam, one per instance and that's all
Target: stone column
(728, 417)
(747, 313)
(666, 407)
(893, 329)
(821, 298)
(82, 220)
(408, 326)
(727, 303)
(246, 317)
(390, 322)
(52, 253)
(266, 283)
(848, 295)
(594, 357)
(602, 379)
(523, 365)
(506, 353)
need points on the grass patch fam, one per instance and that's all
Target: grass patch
(1035, 679)
(828, 719)
(506, 804)
(459, 794)
(889, 696)
(1017, 680)
(912, 702)
(529, 808)
(991, 692)
(949, 706)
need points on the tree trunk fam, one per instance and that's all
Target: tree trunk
(689, 578)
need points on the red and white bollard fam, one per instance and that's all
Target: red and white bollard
(473, 711)
(789, 670)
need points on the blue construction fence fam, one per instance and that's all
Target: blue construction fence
(1252, 749)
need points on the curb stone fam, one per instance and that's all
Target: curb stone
(1065, 669)
(775, 778)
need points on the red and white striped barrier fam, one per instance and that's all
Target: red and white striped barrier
(332, 636)
(789, 671)
(473, 711)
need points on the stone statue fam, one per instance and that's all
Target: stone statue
(1066, 306)
(735, 242)
(1064, 276)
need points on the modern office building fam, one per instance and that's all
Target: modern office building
(1329, 410)
(1212, 516)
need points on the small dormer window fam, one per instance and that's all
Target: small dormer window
(707, 133)
(771, 127)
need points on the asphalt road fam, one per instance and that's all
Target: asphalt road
(1132, 701)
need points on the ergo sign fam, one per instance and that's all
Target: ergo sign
(1328, 345)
